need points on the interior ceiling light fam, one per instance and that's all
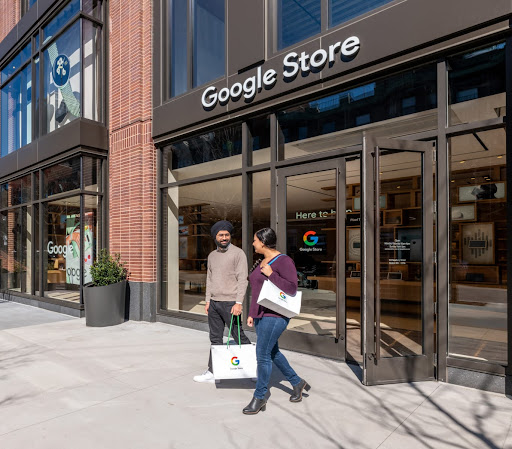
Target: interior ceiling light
(499, 157)
(461, 162)
(453, 180)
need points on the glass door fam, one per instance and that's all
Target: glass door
(398, 264)
(310, 218)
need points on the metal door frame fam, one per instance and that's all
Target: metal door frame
(300, 341)
(377, 370)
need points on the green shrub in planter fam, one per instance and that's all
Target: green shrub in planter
(106, 297)
(108, 269)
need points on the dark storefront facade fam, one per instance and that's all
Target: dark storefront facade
(53, 153)
(373, 137)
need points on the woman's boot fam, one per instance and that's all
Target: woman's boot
(255, 406)
(298, 389)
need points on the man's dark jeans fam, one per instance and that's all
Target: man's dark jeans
(219, 316)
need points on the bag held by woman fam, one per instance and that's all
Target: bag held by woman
(275, 299)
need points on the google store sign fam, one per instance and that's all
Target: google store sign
(293, 63)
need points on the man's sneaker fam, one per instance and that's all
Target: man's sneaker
(207, 376)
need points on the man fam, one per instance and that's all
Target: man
(226, 283)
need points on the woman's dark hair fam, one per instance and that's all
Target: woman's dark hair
(268, 237)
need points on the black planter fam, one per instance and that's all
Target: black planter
(104, 306)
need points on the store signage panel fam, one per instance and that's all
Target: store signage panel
(293, 65)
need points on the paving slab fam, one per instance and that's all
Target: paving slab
(66, 385)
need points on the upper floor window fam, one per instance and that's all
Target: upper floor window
(55, 78)
(26, 5)
(298, 20)
(343, 10)
(205, 60)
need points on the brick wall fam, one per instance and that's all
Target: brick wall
(132, 155)
(9, 16)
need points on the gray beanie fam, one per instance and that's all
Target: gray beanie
(222, 225)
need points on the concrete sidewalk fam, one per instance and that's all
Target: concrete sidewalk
(63, 385)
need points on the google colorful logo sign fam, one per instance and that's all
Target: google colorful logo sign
(235, 361)
(282, 295)
(310, 241)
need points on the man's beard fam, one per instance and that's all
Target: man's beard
(223, 245)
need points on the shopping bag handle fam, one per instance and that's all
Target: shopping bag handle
(275, 258)
(238, 322)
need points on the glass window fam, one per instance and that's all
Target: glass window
(62, 249)
(478, 241)
(4, 195)
(92, 7)
(209, 37)
(92, 74)
(26, 5)
(384, 101)
(62, 95)
(189, 213)
(61, 19)
(16, 62)
(62, 177)
(16, 115)
(221, 148)
(16, 250)
(4, 251)
(17, 191)
(37, 97)
(477, 85)
(297, 21)
(259, 129)
(179, 29)
(92, 174)
(343, 10)
(261, 201)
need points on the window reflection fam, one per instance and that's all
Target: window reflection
(62, 177)
(16, 110)
(297, 21)
(477, 85)
(62, 95)
(179, 30)
(16, 250)
(478, 242)
(343, 10)
(409, 93)
(221, 148)
(209, 37)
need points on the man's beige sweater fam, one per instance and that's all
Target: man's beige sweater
(226, 276)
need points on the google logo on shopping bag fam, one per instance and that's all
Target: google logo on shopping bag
(235, 361)
(282, 295)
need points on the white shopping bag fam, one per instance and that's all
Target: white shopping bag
(274, 299)
(234, 361)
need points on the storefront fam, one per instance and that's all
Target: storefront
(379, 158)
(54, 143)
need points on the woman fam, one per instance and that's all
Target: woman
(281, 271)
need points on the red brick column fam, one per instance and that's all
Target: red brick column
(9, 16)
(132, 165)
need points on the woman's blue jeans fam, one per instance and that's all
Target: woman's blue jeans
(268, 330)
